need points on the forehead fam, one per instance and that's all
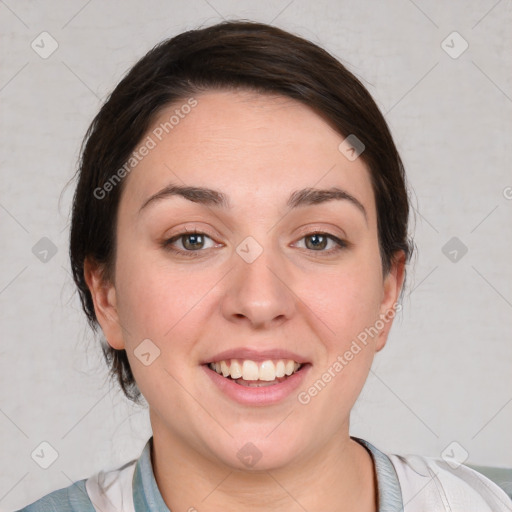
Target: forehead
(253, 147)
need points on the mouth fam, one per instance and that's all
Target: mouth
(257, 383)
(251, 373)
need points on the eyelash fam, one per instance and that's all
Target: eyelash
(167, 244)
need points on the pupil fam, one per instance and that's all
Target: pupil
(195, 240)
(316, 243)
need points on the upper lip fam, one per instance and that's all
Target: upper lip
(255, 355)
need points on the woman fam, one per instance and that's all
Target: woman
(239, 234)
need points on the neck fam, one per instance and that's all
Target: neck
(340, 476)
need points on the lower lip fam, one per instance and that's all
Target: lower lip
(266, 395)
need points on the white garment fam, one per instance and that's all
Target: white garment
(112, 491)
(431, 485)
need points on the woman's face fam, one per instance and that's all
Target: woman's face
(256, 284)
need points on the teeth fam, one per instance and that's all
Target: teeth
(289, 367)
(267, 371)
(249, 370)
(235, 370)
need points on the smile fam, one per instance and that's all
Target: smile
(252, 383)
(256, 374)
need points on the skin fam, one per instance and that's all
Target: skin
(257, 149)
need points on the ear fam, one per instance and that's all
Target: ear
(105, 303)
(393, 282)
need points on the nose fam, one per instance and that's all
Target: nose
(259, 293)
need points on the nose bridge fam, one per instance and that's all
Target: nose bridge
(258, 291)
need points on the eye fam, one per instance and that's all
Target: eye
(194, 242)
(191, 242)
(318, 241)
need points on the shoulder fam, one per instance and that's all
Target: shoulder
(433, 483)
(113, 490)
(108, 491)
(70, 499)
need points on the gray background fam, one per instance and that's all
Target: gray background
(444, 376)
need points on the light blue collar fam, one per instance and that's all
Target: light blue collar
(388, 486)
(147, 497)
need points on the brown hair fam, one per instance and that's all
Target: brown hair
(230, 55)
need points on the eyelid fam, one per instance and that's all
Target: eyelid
(329, 229)
(187, 230)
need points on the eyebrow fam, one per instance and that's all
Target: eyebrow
(215, 198)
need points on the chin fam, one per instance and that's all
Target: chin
(255, 454)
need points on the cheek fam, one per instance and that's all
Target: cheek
(348, 302)
(160, 301)
(348, 299)
(164, 307)
(151, 302)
